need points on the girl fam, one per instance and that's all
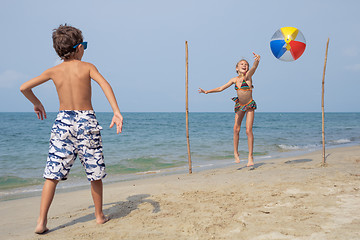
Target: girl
(244, 103)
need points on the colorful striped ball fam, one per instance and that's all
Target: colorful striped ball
(288, 44)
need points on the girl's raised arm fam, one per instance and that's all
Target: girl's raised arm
(218, 89)
(254, 66)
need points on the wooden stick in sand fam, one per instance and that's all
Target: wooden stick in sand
(322, 104)
(187, 105)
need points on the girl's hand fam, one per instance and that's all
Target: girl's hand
(202, 91)
(256, 57)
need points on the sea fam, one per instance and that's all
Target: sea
(154, 144)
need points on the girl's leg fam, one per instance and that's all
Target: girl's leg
(238, 119)
(97, 195)
(47, 196)
(249, 132)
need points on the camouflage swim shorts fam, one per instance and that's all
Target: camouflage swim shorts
(75, 133)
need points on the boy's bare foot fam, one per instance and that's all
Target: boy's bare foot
(41, 228)
(102, 219)
(237, 159)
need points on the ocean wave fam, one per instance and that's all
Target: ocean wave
(285, 147)
(289, 147)
(205, 165)
(9, 182)
(142, 165)
(340, 141)
(148, 172)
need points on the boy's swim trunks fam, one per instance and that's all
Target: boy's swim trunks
(75, 133)
(244, 108)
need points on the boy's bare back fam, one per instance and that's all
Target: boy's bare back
(73, 84)
(72, 80)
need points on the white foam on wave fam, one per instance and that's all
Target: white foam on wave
(296, 147)
(149, 172)
(20, 191)
(289, 147)
(341, 141)
(263, 157)
(206, 165)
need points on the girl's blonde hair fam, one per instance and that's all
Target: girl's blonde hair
(238, 64)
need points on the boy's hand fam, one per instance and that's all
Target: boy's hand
(40, 111)
(118, 120)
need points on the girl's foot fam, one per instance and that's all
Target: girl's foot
(237, 159)
(250, 162)
(41, 228)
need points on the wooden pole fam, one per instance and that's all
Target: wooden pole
(187, 105)
(322, 105)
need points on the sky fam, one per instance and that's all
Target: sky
(139, 47)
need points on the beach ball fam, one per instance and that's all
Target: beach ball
(288, 44)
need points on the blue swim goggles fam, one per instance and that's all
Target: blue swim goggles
(83, 43)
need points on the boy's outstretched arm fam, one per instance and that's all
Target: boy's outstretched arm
(28, 93)
(109, 93)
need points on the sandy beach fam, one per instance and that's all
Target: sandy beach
(286, 198)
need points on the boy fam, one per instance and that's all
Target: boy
(76, 131)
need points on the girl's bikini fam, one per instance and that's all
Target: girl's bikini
(249, 105)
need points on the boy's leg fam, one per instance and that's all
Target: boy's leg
(47, 196)
(91, 156)
(249, 132)
(97, 195)
(238, 119)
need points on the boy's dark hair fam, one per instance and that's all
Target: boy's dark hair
(65, 37)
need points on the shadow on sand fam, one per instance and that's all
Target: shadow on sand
(255, 166)
(116, 210)
(298, 161)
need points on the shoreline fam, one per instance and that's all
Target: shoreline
(282, 198)
(81, 183)
(163, 148)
